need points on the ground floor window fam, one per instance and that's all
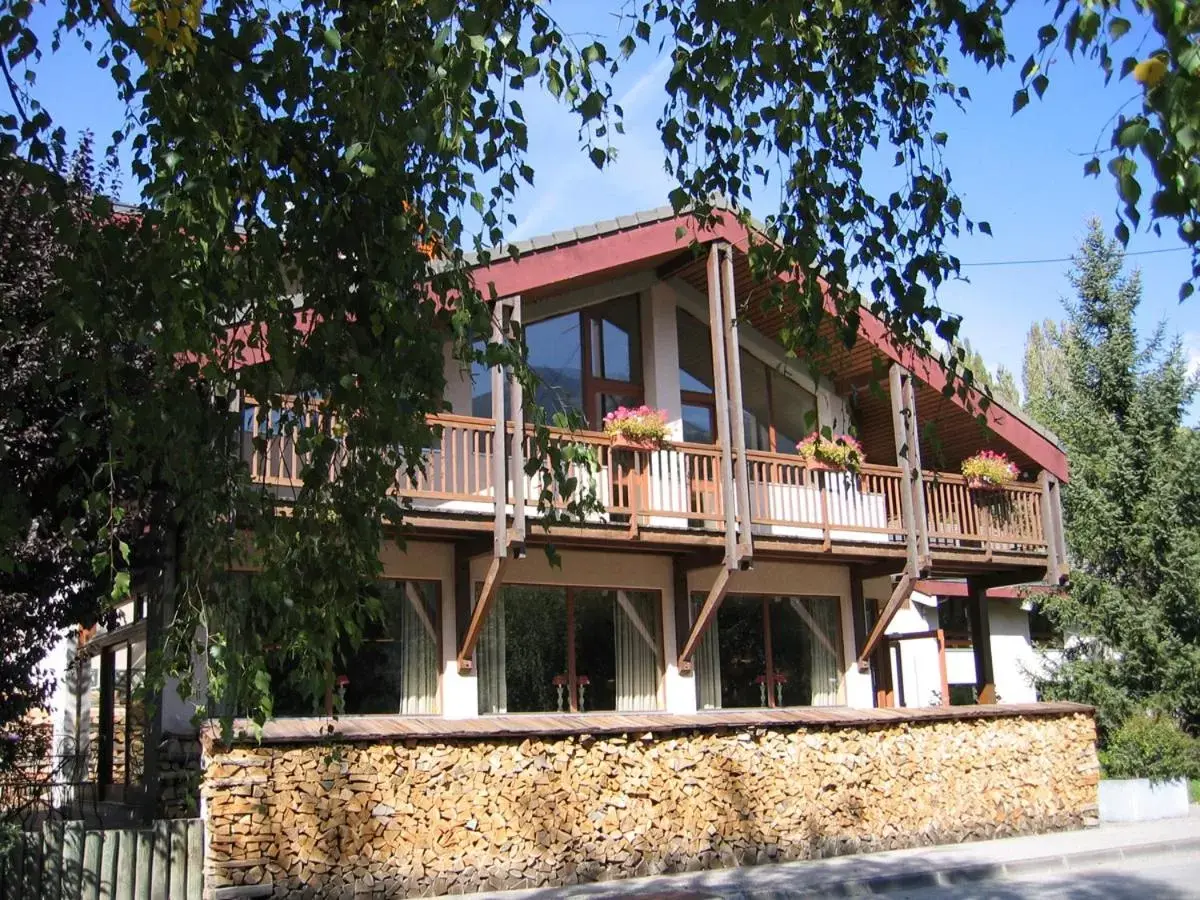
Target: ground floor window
(769, 651)
(557, 649)
(393, 670)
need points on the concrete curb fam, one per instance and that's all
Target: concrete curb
(973, 873)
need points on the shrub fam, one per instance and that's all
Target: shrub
(838, 450)
(990, 468)
(1151, 746)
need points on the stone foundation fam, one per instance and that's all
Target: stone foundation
(413, 816)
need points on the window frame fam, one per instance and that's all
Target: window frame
(572, 692)
(769, 651)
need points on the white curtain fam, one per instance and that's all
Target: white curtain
(491, 660)
(820, 615)
(706, 665)
(419, 654)
(638, 652)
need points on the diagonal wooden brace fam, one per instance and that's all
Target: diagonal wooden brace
(903, 590)
(708, 612)
(483, 606)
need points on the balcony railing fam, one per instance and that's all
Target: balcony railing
(680, 486)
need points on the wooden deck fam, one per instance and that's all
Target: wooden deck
(674, 495)
(385, 728)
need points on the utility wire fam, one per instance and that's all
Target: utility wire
(1062, 259)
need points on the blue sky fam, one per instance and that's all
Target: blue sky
(1022, 174)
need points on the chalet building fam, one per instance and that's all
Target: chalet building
(741, 658)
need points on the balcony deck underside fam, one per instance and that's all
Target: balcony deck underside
(948, 561)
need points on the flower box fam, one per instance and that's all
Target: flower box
(637, 428)
(835, 453)
(989, 471)
(984, 484)
(629, 443)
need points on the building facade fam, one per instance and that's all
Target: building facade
(725, 601)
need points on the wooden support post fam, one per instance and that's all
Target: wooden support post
(925, 561)
(683, 604)
(733, 358)
(705, 617)
(1053, 565)
(902, 591)
(904, 461)
(464, 590)
(517, 404)
(721, 399)
(941, 647)
(499, 433)
(483, 606)
(858, 610)
(981, 640)
(1060, 535)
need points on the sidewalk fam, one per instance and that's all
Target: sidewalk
(895, 870)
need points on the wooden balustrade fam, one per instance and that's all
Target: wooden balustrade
(680, 486)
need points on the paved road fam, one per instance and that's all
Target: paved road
(1167, 877)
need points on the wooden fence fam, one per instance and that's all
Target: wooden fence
(66, 861)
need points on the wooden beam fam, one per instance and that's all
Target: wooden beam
(858, 610)
(721, 399)
(483, 606)
(517, 468)
(1060, 534)
(904, 461)
(1052, 561)
(733, 358)
(981, 641)
(464, 589)
(900, 593)
(683, 600)
(918, 479)
(499, 435)
(707, 613)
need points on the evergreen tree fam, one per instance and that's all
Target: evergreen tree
(1132, 507)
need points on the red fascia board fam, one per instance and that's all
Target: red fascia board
(934, 588)
(544, 270)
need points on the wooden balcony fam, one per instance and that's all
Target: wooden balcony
(677, 491)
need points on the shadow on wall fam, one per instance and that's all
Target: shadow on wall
(907, 877)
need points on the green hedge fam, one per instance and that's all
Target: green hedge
(1153, 747)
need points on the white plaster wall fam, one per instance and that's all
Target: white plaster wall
(1014, 659)
(458, 381)
(1013, 655)
(660, 354)
(434, 561)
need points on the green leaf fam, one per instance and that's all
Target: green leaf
(1117, 27)
(1020, 100)
(1040, 83)
(120, 588)
(1131, 133)
(985, 228)
(1092, 166)
(333, 39)
(598, 157)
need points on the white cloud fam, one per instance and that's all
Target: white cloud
(635, 180)
(1191, 351)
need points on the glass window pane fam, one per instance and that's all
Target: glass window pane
(616, 349)
(695, 354)
(795, 413)
(395, 668)
(639, 650)
(595, 650)
(698, 424)
(804, 650)
(556, 355)
(756, 411)
(535, 649)
(742, 652)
